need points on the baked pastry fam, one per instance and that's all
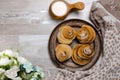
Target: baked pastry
(63, 52)
(66, 34)
(76, 58)
(85, 51)
(86, 34)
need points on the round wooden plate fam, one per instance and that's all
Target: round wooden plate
(69, 64)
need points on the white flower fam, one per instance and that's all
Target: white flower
(39, 70)
(17, 78)
(1, 71)
(1, 53)
(21, 60)
(2, 74)
(33, 78)
(12, 72)
(4, 61)
(28, 67)
(10, 53)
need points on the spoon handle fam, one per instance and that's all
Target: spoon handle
(78, 5)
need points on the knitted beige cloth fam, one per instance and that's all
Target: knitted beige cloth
(109, 68)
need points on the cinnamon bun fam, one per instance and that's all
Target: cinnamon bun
(86, 34)
(76, 58)
(85, 51)
(63, 52)
(66, 35)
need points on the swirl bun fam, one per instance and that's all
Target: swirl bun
(76, 58)
(63, 52)
(86, 34)
(66, 35)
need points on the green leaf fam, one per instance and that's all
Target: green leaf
(29, 76)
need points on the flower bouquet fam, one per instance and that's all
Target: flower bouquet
(15, 67)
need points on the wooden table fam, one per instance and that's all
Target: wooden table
(26, 25)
